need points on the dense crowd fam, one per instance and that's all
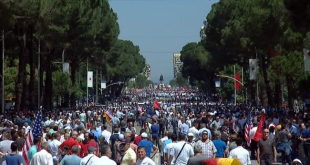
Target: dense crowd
(178, 132)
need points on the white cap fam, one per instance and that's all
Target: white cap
(297, 160)
(190, 134)
(144, 135)
(121, 137)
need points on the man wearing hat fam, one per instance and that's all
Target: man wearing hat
(90, 158)
(190, 140)
(148, 145)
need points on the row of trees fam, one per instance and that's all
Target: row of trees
(83, 30)
(273, 31)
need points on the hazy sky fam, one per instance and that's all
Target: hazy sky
(160, 28)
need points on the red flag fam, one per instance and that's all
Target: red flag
(237, 84)
(259, 132)
(157, 105)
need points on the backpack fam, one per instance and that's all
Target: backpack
(119, 148)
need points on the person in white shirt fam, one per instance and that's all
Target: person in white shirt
(142, 158)
(105, 133)
(106, 154)
(181, 152)
(53, 146)
(26, 127)
(242, 154)
(195, 131)
(169, 147)
(91, 158)
(162, 140)
(253, 145)
(42, 157)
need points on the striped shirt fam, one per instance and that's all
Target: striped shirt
(208, 149)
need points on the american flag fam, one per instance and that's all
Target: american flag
(248, 127)
(36, 131)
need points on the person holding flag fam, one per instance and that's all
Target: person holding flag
(34, 133)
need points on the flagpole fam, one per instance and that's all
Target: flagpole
(242, 86)
(39, 73)
(87, 83)
(235, 85)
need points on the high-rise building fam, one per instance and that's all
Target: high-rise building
(177, 64)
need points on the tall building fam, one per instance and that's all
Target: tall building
(177, 64)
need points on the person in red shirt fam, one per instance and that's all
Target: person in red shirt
(138, 139)
(70, 142)
(84, 145)
(93, 143)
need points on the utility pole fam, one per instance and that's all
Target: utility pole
(96, 99)
(3, 99)
(235, 85)
(39, 71)
(87, 83)
(242, 86)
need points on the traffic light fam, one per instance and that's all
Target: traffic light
(215, 74)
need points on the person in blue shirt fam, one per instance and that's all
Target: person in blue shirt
(220, 145)
(155, 132)
(96, 134)
(13, 158)
(148, 145)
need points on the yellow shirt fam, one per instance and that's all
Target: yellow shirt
(129, 156)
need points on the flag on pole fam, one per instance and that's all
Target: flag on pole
(36, 131)
(248, 127)
(90, 79)
(237, 83)
(157, 105)
(306, 59)
(253, 68)
(108, 115)
(259, 132)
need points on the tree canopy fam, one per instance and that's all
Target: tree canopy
(272, 31)
(82, 30)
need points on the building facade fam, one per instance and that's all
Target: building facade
(177, 64)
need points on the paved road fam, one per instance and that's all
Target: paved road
(138, 128)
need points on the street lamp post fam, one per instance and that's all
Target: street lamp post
(235, 80)
(2, 108)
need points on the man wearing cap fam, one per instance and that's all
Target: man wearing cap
(130, 155)
(190, 140)
(148, 145)
(91, 158)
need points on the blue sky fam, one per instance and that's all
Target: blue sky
(160, 28)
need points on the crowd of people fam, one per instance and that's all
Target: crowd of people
(175, 132)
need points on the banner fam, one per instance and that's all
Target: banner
(237, 84)
(217, 82)
(65, 67)
(253, 68)
(103, 85)
(90, 79)
(306, 59)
